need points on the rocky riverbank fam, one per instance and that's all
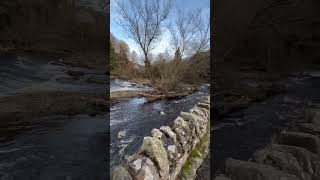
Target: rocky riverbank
(171, 152)
(240, 134)
(294, 155)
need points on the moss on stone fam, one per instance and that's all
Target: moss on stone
(199, 151)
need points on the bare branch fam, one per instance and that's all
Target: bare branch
(190, 32)
(142, 21)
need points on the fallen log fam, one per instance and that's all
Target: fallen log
(159, 95)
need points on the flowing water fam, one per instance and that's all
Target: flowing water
(121, 85)
(39, 73)
(54, 147)
(242, 133)
(75, 147)
(57, 147)
(135, 118)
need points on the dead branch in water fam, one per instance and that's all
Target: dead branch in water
(165, 95)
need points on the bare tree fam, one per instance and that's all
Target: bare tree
(143, 20)
(182, 31)
(190, 32)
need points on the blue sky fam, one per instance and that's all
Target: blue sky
(164, 43)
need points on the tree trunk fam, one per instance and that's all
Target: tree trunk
(148, 69)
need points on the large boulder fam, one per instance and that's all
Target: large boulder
(155, 150)
(242, 170)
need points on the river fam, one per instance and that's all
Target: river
(53, 146)
(44, 73)
(137, 118)
(74, 147)
(242, 133)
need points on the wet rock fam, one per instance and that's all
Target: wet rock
(120, 173)
(167, 131)
(281, 160)
(242, 170)
(154, 149)
(156, 133)
(300, 139)
(121, 134)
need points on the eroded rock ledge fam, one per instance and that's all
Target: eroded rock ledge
(293, 155)
(171, 153)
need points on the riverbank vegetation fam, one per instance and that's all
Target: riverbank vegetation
(185, 63)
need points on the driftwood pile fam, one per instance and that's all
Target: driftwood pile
(166, 95)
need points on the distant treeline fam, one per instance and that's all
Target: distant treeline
(55, 25)
(169, 72)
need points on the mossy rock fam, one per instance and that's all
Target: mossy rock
(195, 159)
